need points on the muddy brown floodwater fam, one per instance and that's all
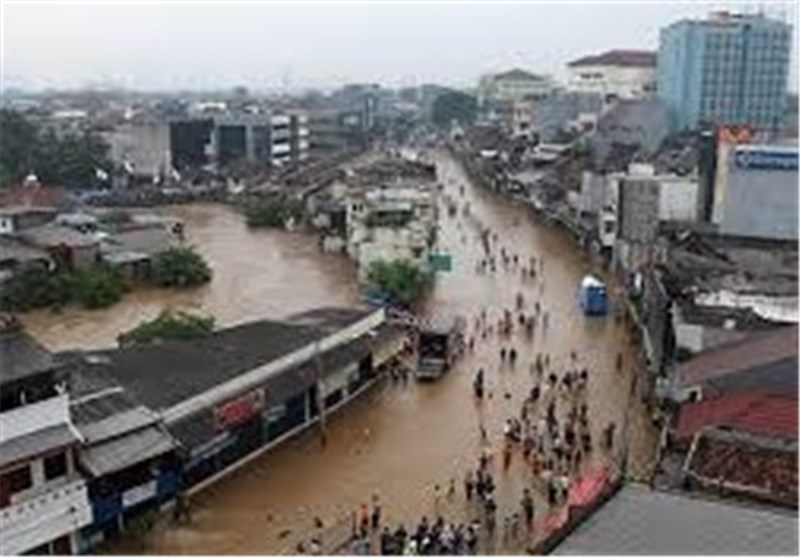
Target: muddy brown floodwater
(257, 274)
(396, 441)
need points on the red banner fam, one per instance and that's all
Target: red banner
(237, 411)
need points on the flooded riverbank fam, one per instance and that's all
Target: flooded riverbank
(257, 274)
(398, 441)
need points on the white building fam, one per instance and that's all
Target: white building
(627, 74)
(392, 223)
(43, 499)
(513, 85)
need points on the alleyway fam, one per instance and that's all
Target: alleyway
(400, 441)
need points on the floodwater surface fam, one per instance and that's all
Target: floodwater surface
(397, 441)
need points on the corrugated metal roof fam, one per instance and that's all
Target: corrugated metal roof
(638, 521)
(22, 356)
(36, 443)
(126, 450)
(759, 349)
(759, 413)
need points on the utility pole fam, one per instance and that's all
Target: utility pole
(320, 396)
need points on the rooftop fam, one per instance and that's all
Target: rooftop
(758, 413)
(22, 356)
(761, 470)
(52, 235)
(13, 249)
(518, 74)
(198, 365)
(757, 355)
(638, 521)
(620, 58)
(35, 195)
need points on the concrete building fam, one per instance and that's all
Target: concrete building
(143, 148)
(755, 193)
(391, 222)
(625, 74)
(635, 123)
(728, 69)
(43, 498)
(285, 376)
(513, 85)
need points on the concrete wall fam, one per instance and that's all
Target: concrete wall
(146, 146)
(678, 199)
(626, 83)
(757, 202)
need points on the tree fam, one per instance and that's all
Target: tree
(402, 281)
(34, 288)
(180, 268)
(168, 325)
(271, 212)
(454, 106)
(98, 287)
(71, 160)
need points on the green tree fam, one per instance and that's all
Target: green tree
(71, 160)
(35, 288)
(454, 106)
(401, 280)
(168, 325)
(98, 287)
(272, 212)
(180, 268)
(19, 139)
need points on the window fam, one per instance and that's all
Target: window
(55, 466)
(13, 482)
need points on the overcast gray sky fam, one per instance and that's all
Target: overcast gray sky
(196, 45)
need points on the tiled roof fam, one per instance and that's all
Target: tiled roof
(35, 196)
(758, 413)
(518, 74)
(758, 350)
(622, 58)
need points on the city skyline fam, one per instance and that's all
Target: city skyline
(395, 44)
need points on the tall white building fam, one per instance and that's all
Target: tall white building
(43, 498)
(626, 74)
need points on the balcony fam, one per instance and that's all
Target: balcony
(59, 510)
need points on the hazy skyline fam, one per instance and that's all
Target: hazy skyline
(190, 45)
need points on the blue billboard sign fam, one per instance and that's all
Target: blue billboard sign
(751, 159)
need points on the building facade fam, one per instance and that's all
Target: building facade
(626, 74)
(513, 85)
(43, 498)
(729, 68)
(755, 192)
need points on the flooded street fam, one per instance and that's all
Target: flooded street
(397, 441)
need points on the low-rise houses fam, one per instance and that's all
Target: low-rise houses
(513, 85)
(43, 496)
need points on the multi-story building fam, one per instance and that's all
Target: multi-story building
(273, 139)
(729, 68)
(389, 223)
(513, 85)
(43, 498)
(626, 74)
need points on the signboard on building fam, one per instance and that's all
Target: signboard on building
(748, 158)
(138, 494)
(440, 262)
(239, 410)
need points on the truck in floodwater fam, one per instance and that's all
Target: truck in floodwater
(441, 342)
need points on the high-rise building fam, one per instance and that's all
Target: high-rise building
(728, 69)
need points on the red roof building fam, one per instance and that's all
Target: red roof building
(759, 413)
(618, 58)
(34, 194)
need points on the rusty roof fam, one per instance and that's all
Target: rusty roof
(755, 351)
(759, 413)
(622, 58)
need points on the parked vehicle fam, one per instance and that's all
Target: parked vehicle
(440, 343)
